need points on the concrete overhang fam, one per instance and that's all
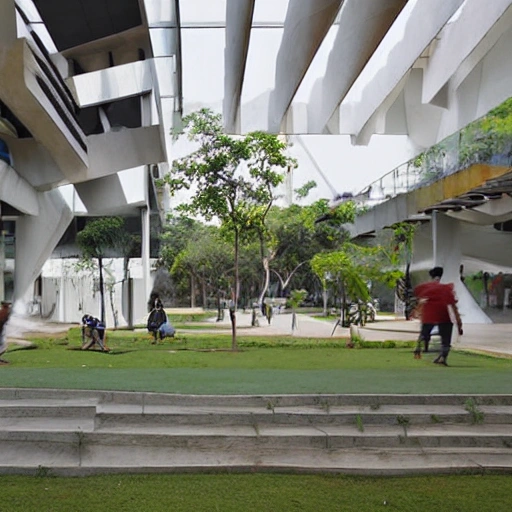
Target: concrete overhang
(406, 206)
(42, 111)
(112, 84)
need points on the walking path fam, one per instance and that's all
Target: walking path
(491, 338)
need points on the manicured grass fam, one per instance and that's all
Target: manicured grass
(203, 364)
(256, 492)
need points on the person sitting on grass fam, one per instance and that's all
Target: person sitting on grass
(5, 312)
(156, 319)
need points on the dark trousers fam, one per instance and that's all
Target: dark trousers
(445, 332)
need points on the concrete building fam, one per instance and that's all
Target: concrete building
(88, 95)
(89, 91)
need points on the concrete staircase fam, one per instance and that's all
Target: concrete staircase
(86, 432)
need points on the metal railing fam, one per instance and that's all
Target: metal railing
(481, 142)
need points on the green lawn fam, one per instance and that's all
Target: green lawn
(256, 492)
(203, 364)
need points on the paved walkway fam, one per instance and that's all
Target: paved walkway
(492, 338)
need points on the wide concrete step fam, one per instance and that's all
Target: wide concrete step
(405, 461)
(88, 432)
(266, 401)
(245, 437)
(113, 415)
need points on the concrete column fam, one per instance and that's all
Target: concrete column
(434, 237)
(448, 254)
(2, 257)
(8, 32)
(238, 32)
(146, 278)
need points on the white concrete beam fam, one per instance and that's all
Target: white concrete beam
(306, 25)
(116, 151)
(238, 32)
(117, 194)
(104, 196)
(112, 84)
(478, 24)
(414, 29)
(17, 192)
(362, 25)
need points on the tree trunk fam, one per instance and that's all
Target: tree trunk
(266, 268)
(102, 290)
(220, 311)
(192, 291)
(232, 308)
(324, 297)
(204, 294)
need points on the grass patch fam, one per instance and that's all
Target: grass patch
(202, 363)
(256, 493)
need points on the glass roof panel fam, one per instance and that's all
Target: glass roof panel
(203, 68)
(260, 70)
(270, 12)
(203, 12)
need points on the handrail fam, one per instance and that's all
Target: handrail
(487, 140)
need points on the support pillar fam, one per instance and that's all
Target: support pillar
(146, 276)
(2, 257)
(448, 254)
(434, 238)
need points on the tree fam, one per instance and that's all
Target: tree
(98, 237)
(295, 300)
(232, 179)
(350, 269)
(209, 259)
(299, 238)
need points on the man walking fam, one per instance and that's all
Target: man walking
(5, 311)
(436, 301)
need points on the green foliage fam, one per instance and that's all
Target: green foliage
(233, 179)
(296, 298)
(351, 268)
(101, 235)
(303, 191)
(476, 415)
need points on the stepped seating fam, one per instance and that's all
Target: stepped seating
(87, 432)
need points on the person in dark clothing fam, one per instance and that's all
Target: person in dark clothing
(436, 302)
(5, 312)
(156, 319)
(93, 333)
